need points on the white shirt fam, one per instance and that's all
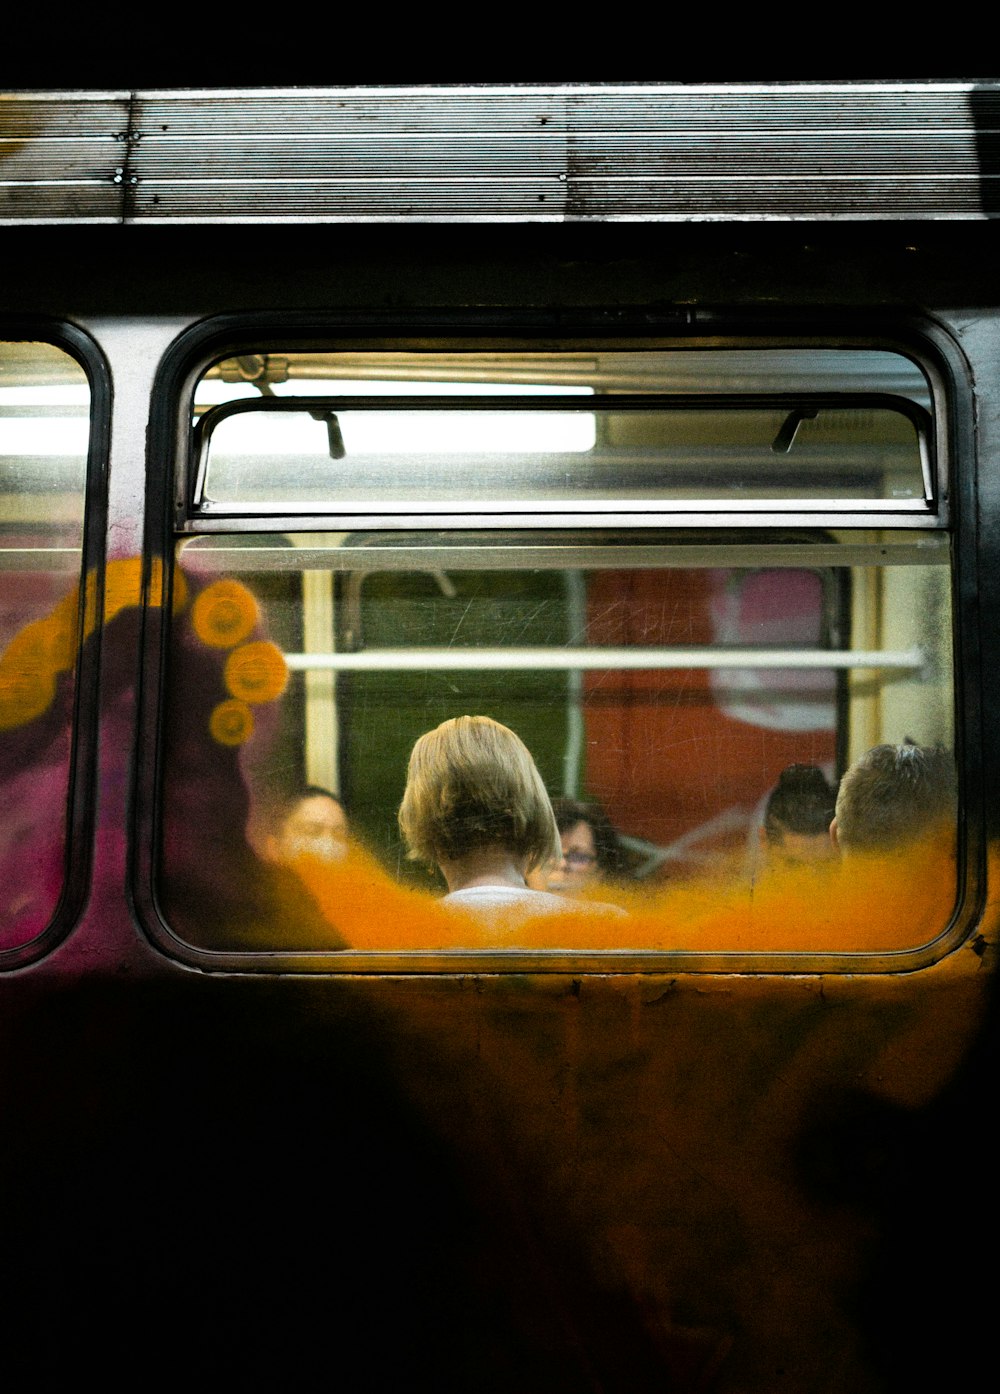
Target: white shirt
(528, 903)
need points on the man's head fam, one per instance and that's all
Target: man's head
(894, 795)
(797, 816)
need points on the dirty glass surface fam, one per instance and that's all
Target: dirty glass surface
(681, 687)
(44, 435)
(344, 452)
(671, 685)
(402, 431)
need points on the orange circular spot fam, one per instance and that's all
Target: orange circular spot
(224, 614)
(231, 723)
(256, 672)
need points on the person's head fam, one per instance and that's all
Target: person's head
(894, 795)
(590, 847)
(309, 822)
(797, 816)
(472, 784)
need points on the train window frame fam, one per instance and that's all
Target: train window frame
(82, 764)
(168, 517)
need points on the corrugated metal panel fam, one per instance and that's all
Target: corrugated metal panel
(63, 156)
(926, 150)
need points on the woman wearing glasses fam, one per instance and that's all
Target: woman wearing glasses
(591, 852)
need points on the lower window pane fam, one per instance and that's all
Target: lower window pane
(690, 705)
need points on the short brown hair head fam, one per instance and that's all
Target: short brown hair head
(472, 783)
(801, 802)
(896, 794)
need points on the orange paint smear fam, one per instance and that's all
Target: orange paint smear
(46, 647)
(872, 903)
(28, 672)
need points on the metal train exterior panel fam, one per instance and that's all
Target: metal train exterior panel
(236, 1148)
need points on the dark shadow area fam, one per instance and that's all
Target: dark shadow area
(225, 1178)
(926, 1303)
(985, 108)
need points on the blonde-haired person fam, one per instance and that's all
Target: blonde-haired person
(475, 806)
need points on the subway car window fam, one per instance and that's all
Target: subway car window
(44, 438)
(422, 698)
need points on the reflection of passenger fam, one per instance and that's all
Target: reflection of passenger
(476, 807)
(797, 816)
(591, 852)
(893, 796)
(312, 822)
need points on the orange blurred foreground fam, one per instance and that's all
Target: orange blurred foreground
(873, 903)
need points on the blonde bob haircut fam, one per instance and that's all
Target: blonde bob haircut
(472, 783)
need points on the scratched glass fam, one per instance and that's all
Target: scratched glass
(44, 435)
(401, 432)
(671, 684)
(340, 453)
(680, 678)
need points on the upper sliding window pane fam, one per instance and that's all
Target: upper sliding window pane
(44, 438)
(620, 430)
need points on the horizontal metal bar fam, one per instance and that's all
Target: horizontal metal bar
(588, 659)
(40, 558)
(663, 403)
(439, 520)
(204, 555)
(661, 506)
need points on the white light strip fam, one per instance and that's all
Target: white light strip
(559, 660)
(369, 436)
(42, 437)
